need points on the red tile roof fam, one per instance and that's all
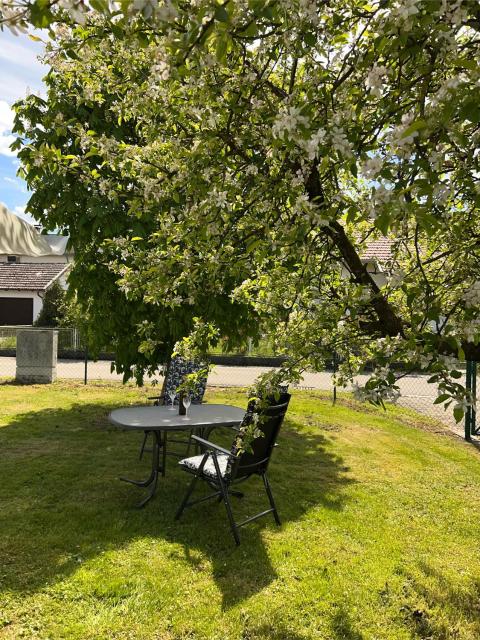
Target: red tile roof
(380, 250)
(31, 276)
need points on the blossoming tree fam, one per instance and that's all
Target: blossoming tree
(230, 161)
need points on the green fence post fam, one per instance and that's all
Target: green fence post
(473, 412)
(468, 414)
(334, 373)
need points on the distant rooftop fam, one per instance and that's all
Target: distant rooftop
(18, 237)
(379, 250)
(30, 276)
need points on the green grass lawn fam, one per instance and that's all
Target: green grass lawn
(379, 538)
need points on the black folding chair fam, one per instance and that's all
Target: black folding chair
(221, 468)
(177, 369)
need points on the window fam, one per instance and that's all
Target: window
(13, 259)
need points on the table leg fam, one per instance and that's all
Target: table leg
(152, 479)
(164, 451)
(155, 470)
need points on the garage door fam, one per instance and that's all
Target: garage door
(16, 311)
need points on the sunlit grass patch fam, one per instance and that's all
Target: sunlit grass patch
(379, 520)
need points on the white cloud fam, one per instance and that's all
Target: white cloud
(6, 116)
(5, 142)
(22, 51)
(6, 124)
(19, 66)
(16, 183)
(20, 212)
(20, 69)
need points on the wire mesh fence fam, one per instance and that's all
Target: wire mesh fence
(73, 364)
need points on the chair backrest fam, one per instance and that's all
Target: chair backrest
(270, 421)
(177, 370)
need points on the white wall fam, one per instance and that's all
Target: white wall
(37, 300)
(379, 277)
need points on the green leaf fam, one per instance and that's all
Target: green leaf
(415, 126)
(471, 111)
(221, 14)
(381, 43)
(466, 63)
(458, 414)
(221, 46)
(382, 222)
(251, 31)
(253, 245)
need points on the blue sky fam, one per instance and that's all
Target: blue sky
(20, 71)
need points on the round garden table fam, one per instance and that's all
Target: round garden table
(161, 420)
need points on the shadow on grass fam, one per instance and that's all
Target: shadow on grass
(343, 627)
(62, 503)
(437, 607)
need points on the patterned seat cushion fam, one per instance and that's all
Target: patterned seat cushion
(194, 463)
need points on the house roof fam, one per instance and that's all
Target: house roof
(30, 277)
(379, 250)
(18, 237)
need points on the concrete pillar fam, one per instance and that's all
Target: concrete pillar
(36, 355)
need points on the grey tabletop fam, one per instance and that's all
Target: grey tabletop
(164, 419)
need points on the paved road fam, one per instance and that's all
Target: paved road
(417, 394)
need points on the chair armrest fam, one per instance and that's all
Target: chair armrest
(212, 446)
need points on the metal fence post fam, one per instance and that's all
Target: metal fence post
(469, 412)
(473, 413)
(334, 374)
(85, 375)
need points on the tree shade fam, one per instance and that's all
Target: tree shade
(230, 162)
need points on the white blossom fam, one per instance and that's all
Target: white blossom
(375, 80)
(311, 146)
(403, 12)
(441, 193)
(220, 198)
(449, 362)
(340, 142)
(251, 170)
(400, 141)
(472, 295)
(471, 329)
(308, 10)
(75, 8)
(372, 167)
(287, 123)
(381, 196)
(166, 12)
(146, 7)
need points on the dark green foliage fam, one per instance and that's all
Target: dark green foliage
(52, 311)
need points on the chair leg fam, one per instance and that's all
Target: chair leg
(270, 498)
(142, 449)
(226, 500)
(187, 495)
(231, 519)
